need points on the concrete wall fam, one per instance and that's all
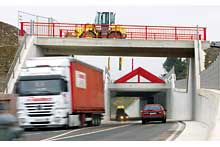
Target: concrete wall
(181, 107)
(181, 84)
(210, 78)
(184, 102)
(133, 110)
(208, 111)
(160, 98)
(180, 101)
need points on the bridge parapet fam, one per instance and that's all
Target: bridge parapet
(43, 29)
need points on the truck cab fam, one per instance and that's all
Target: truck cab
(43, 93)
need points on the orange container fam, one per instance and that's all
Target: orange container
(87, 88)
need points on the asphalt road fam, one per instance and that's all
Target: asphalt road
(115, 131)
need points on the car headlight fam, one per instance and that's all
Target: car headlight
(127, 117)
(121, 117)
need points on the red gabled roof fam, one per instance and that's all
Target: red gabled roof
(140, 72)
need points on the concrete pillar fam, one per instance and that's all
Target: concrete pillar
(196, 64)
(107, 97)
(173, 79)
(191, 87)
(169, 104)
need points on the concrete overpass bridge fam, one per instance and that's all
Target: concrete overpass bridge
(166, 42)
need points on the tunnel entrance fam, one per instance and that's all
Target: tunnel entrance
(134, 95)
(133, 102)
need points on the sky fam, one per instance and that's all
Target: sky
(137, 14)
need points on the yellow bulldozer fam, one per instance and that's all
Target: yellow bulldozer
(104, 27)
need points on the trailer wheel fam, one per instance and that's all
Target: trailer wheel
(99, 121)
(82, 120)
(96, 121)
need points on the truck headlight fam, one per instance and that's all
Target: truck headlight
(121, 117)
(60, 112)
(57, 119)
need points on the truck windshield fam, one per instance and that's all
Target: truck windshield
(39, 87)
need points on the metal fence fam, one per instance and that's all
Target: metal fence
(210, 78)
(132, 31)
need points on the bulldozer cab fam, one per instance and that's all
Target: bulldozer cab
(107, 18)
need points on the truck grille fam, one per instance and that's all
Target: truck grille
(39, 109)
(40, 123)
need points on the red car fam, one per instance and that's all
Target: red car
(153, 112)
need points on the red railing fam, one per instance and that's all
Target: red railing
(132, 31)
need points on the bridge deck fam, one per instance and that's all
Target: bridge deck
(115, 47)
(138, 87)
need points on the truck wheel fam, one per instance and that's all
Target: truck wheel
(143, 121)
(115, 35)
(67, 126)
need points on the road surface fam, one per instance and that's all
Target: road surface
(114, 131)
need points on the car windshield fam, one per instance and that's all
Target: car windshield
(39, 87)
(152, 107)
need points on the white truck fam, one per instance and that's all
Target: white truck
(59, 92)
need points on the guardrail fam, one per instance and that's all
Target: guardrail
(42, 29)
(16, 59)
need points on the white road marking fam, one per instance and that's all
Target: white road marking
(89, 133)
(175, 133)
(29, 134)
(47, 139)
(41, 132)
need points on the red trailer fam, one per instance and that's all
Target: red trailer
(87, 88)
